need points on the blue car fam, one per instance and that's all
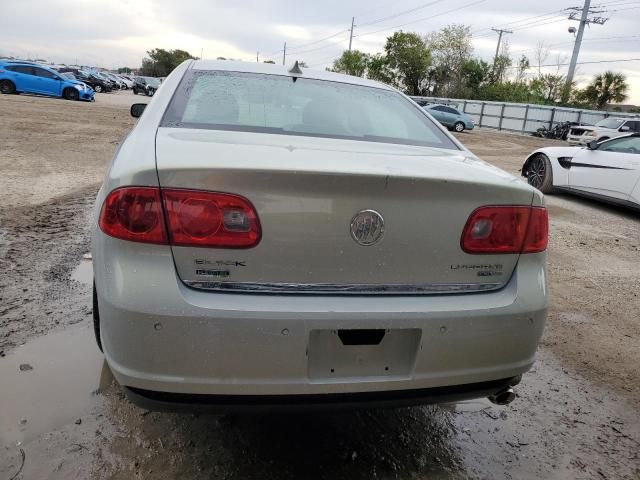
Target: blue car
(450, 117)
(25, 77)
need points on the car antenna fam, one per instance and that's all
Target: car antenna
(295, 71)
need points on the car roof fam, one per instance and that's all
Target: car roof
(271, 69)
(28, 64)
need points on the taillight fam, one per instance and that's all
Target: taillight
(194, 218)
(209, 219)
(506, 229)
(135, 214)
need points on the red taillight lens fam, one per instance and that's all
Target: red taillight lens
(135, 214)
(194, 218)
(538, 231)
(506, 229)
(209, 219)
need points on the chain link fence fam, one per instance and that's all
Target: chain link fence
(522, 117)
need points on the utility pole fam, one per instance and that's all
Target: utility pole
(257, 57)
(584, 12)
(284, 53)
(351, 34)
(201, 50)
(499, 31)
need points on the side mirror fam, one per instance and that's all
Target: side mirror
(593, 145)
(625, 128)
(137, 109)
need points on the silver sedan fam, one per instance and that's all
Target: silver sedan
(287, 238)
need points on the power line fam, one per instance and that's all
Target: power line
(296, 47)
(612, 39)
(526, 19)
(332, 44)
(564, 64)
(541, 24)
(404, 12)
(422, 19)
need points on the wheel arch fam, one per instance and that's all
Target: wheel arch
(525, 165)
(8, 80)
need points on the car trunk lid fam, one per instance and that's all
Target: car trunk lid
(308, 191)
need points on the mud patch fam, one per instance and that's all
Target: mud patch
(48, 382)
(560, 426)
(39, 245)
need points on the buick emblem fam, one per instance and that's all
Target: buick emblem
(367, 227)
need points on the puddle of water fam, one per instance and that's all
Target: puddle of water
(84, 272)
(48, 382)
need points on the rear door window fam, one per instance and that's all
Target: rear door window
(41, 72)
(633, 125)
(25, 69)
(305, 107)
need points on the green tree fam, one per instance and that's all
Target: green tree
(124, 70)
(499, 68)
(548, 87)
(352, 62)
(410, 58)
(475, 72)
(450, 48)
(161, 63)
(378, 69)
(608, 87)
(269, 61)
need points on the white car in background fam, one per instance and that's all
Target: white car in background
(127, 82)
(603, 130)
(608, 170)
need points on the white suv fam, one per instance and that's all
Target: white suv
(606, 128)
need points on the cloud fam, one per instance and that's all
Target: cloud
(119, 32)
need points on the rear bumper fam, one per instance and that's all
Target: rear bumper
(181, 402)
(160, 336)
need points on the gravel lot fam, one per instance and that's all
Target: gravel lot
(577, 414)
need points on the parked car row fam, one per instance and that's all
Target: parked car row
(29, 77)
(72, 83)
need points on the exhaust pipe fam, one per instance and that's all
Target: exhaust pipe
(503, 397)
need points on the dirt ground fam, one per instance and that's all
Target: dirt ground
(577, 414)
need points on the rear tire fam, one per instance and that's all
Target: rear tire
(458, 127)
(7, 87)
(71, 94)
(539, 173)
(96, 317)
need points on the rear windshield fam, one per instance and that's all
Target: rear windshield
(277, 104)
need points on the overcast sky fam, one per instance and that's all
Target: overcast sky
(118, 32)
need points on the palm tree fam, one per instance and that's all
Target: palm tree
(608, 87)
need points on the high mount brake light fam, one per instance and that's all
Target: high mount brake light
(506, 229)
(194, 218)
